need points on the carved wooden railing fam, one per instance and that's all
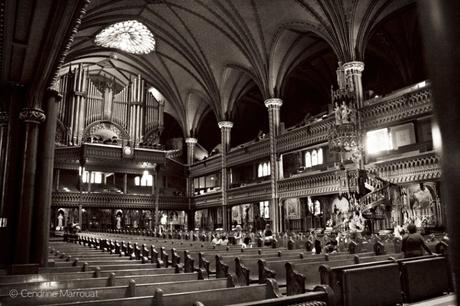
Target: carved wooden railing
(418, 167)
(250, 193)
(115, 200)
(397, 107)
(305, 136)
(91, 151)
(326, 182)
(373, 199)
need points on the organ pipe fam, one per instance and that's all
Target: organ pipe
(133, 108)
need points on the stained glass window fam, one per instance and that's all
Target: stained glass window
(129, 36)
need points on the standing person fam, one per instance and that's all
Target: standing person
(413, 244)
(238, 235)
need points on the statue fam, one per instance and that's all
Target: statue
(338, 115)
(60, 226)
(345, 113)
(118, 222)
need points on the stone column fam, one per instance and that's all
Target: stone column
(31, 117)
(440, 23)
(274, 105)
(225, 129)
(44, 181)
(191, 143)
(191, 219)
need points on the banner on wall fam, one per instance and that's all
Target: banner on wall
(292, 208)
(236, 214)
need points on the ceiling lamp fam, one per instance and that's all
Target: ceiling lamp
(129, 36)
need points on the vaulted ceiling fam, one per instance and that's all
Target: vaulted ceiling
(220, 59)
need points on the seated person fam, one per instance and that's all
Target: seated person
(216, 240)
(247, 241)
(267, 235)
(413, 244)
(224, 240)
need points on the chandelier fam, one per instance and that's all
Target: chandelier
(130, 36)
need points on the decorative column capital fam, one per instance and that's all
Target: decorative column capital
(52, 91)
(273, 103)
(3, 118)
(354, 67)
(225, 124)
(191, 141)
(161, 102)
(32, 115)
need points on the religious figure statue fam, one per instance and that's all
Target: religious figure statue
(338, 114)
(60, 225)
(118, 222)
(345, 112)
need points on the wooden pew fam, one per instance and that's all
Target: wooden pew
(277, 269)
(118, 292)
(87, 267)
(320, 296)
(425, 278)
(223, 269)
(112, 280)
(247, 269)
(78, 275)
(333, 276)
(216, 297)
(373, 285)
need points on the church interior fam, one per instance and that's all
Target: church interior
(229, 152)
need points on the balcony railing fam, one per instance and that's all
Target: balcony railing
(113, 200)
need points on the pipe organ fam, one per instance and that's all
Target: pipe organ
(88, 99)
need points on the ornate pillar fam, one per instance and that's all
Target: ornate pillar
(191, 142)
(225, 129)
(32, 117)
(44, 179)
(274, 105)
(353, 72)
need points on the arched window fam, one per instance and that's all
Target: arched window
(264, 209)
(265, 169)
(269, 169)
(137, 181)
(307, 160)
(320, 156)
(260, 171)
(314, 158)
(146, 179)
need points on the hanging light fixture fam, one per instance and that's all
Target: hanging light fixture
(130, 36)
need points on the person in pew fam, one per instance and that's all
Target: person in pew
(331, 245)
(224, 240)
(268, 235)
(217, 240)
(413, 244)
(247, 241)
